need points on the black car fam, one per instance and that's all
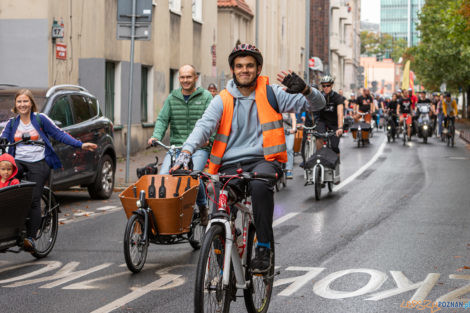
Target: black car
(77, 112)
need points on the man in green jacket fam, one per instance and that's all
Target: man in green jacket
(182, 109)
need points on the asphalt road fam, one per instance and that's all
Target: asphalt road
(394, 231)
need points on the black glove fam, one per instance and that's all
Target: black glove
(3, 141)
(294, 83)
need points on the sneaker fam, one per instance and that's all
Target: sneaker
(262, 261)
(28, 244)
(203, 211)
(289, 175)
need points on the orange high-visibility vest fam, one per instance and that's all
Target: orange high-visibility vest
(274, 140)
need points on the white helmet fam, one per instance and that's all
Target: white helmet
(327, 79)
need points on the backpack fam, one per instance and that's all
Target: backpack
(272, 98)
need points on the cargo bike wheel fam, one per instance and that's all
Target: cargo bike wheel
(135, 243)
(317, 183)
(49, 227)
(196, 232)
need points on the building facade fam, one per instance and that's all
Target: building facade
(399, 19)
(383, 77)
(197, 32)
(335, 39)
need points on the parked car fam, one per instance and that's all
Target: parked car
(77, 112)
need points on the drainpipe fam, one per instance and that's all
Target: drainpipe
(307, 41)
(257, 24)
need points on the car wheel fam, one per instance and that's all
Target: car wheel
(103, 186)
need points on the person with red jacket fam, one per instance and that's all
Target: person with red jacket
(8, 171)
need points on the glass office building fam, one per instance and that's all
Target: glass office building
(399, 18)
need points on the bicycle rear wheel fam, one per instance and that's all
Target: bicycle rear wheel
(210, 295)
(47, 235)
(135, 247)
(258, 294)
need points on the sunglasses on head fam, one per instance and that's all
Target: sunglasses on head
(329, 85)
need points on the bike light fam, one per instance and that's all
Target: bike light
(139, 204)
(425, 127)
(388, 127)
(318, 160)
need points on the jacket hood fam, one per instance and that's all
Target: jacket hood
(234, 91)
(9, 158)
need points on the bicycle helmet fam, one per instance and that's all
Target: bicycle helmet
(245, 50)
(327, 79)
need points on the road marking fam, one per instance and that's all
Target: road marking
(284, 218)
(107, 208)
(166, 281)
(362, 169)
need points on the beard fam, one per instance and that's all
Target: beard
(250, 84)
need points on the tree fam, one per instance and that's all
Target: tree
(443, 54)
(382, 44)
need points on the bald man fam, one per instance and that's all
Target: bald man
(181, 110)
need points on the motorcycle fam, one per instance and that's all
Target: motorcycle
(424, 129)
(390, 127)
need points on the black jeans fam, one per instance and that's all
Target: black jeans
(37, 172)
(262, 194)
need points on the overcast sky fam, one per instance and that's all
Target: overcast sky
(370, 11)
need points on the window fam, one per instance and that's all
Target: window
(174, 82)
(61, 112)
(175, 6)
(109, 90)
(80, 108)
(144, 93)
(197, 10)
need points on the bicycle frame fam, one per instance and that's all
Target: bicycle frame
(232, 255)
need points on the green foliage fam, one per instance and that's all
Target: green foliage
(443, 54)
(383, 45)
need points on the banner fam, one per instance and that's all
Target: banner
(405, 82)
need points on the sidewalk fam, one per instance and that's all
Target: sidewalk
(463, 125)
(137, 160)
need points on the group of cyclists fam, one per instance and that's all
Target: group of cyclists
(404, 107)
(239, 129)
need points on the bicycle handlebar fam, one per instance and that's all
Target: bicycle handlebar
(225, 177)
(329, 133)
(156, 143)
(24, 140)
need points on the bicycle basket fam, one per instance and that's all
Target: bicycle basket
(173, 214)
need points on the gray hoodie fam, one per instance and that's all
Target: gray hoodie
(246, 136)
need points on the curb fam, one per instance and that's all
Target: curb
(465, 135)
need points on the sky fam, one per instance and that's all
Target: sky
(370, 11)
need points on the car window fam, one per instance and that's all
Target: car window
(93, 104)
(80, 108)
(7, 103)
(61, 112)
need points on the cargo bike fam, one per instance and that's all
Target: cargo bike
(160, 219)
(322, 167)
(361, 131)
(15, 206)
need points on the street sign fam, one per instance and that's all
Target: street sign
(143, 11)
(142, 31)
(60, 51)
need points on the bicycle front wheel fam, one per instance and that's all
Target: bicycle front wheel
(47, 235)
(135, 247)
(258, 294)
(210, 295)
